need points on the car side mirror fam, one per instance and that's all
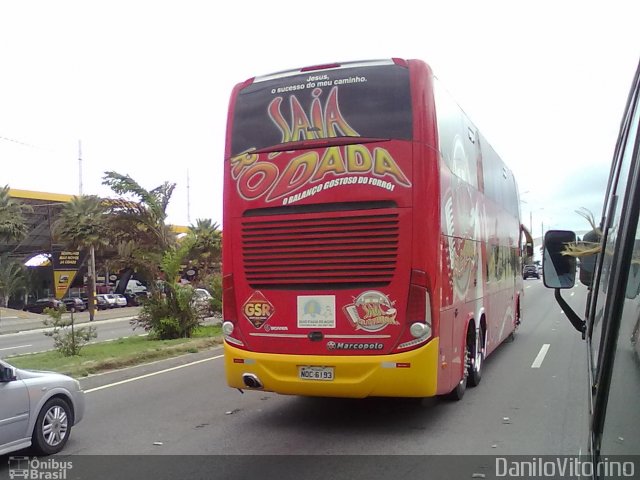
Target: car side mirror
(7, 374)
(559, 270)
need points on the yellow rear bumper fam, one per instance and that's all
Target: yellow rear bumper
(409, 374)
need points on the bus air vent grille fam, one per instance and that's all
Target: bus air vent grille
(326, 250)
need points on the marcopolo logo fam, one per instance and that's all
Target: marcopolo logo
(38, 469)
(354, 346)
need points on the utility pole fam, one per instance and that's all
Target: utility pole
(92, 283)
(188, 200)
(80, 167)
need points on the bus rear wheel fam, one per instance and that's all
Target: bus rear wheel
(457, 393)
(476, 359)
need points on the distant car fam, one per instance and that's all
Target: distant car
(135, 299)
(530, 271)
(201, 301)
(39, 305)
(101, 302)
(105, 300)
(74, 303)
(37, 410)
(121, 300)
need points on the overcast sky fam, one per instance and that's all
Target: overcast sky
(145, 85)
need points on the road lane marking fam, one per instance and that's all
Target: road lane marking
(129, 380)
(19, 346)
(541, 354)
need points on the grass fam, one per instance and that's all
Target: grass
(124, 352)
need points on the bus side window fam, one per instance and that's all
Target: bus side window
(616, 421)
(625, 156)
(621, 432)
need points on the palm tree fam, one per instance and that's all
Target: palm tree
(12, 278)
(12, 217)
(207, 244)
(82, 224)
(142, 219)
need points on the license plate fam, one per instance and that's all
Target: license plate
(316, 373)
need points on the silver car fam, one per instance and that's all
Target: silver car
(37, 409)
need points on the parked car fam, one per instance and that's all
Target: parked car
(201, 301)
(74, 303)
(121, 300)
(104, 302)
(39, 305)
(101, 302)
(530, 271)
(37, 410)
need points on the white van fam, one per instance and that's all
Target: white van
(135, 286)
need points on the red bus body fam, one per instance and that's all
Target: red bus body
(371, 235)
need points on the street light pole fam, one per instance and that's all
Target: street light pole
(92, 283)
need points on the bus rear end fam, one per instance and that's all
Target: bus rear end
(318, 255)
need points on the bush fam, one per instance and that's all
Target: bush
(215, 287)
(170, 314)
(67, 338)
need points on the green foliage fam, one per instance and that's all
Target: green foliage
(215, 287)
(170, 314)
(12, 278)
(83, 222)
(12, 217)
(67, 338)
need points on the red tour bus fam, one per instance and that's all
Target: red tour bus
(371, 235)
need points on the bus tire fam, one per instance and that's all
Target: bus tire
(477, 359)
(458, 392)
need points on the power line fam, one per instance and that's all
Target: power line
(24, 144)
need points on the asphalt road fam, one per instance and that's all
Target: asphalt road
(109, 324)
(519, 407)
(531, 401)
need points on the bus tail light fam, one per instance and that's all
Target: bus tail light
(229, 312)
(419, 306)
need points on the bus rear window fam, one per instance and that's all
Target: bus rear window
(366, 101)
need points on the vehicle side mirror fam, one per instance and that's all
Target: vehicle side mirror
(7, 374)
(559, 270)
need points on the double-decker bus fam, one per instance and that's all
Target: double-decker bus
(372, 236)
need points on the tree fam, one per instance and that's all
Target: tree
(171, 313)
(82, 224)
(13, 224)
(12, 279)
(147, 213)
(206, 246)
(138, 225)
(67, 338)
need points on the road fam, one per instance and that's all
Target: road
(110, 324)
(531, 401)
